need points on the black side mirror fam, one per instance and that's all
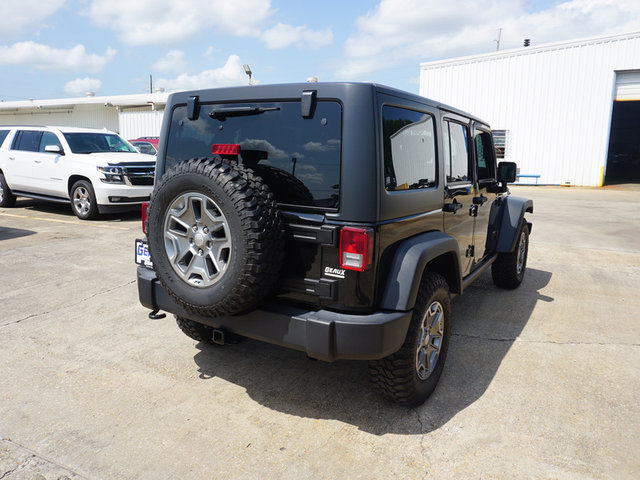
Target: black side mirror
(507, 172)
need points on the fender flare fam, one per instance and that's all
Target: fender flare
(409, 262)
(512, 210)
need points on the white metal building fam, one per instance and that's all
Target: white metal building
(132, 116)
(570, 111)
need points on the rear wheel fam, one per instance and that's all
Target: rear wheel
(411, 374)
(83, 200)
(204, 333)
(7, 199)
(196, 331)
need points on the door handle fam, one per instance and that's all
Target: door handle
(452, 207)
(12, 158)
(452, 192)
(481, 200)
(38, 161)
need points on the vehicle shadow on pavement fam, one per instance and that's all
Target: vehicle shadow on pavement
(487, 321)
(7, 233)
(64, 210)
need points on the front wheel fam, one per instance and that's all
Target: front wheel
(508, 269)
(411, 374)
(83, 200)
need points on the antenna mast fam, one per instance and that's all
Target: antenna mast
(498, 40)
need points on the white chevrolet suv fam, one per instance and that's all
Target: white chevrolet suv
(94, 170)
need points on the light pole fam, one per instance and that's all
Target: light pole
(247, 70)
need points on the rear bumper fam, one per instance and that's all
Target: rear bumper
(322, 334)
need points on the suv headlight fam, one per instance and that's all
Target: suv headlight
(112, 174)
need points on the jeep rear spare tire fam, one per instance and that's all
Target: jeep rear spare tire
(215, 236)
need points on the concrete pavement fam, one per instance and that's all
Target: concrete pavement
(540, 382)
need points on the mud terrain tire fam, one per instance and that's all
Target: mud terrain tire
(215, 236)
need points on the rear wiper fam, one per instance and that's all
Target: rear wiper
(223, 113)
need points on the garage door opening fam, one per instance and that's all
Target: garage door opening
(623, 160)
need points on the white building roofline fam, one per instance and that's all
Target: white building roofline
(529, 50)
(118, 101)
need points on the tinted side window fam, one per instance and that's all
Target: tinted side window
(27, 140)
(298, 158)
(485, 155)
(3, 135)
(49, 138)
(456, 150)
(409, 149)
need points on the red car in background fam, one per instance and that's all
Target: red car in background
(148, 145)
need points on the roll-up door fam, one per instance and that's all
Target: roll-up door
(628, 86)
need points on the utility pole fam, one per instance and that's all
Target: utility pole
(150, 83)
(498, 40)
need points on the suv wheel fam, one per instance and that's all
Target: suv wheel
(411, 374)
(194, 330)
(508, 269)
(204, 333)
(83, 200)
(215, 236)
(7, 199)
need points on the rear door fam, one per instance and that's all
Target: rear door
(299, 158)
(24, 161)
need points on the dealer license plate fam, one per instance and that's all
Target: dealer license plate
(142, 253)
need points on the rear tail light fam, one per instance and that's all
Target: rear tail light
(225, 149)
(145, 209)
(356, 248)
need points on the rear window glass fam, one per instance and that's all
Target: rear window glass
(27, 140)
(409, 149)
(3, 135)
(299, 158)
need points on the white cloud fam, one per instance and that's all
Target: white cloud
(310, 174)
(173, 61)
(80, 86)
(148, 22)
(332, 144)
(423, 30)
(231, 73)
(273, 152)
(282, 36)
(17, 16)
(50, 58)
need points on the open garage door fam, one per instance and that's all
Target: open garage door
(623, 160)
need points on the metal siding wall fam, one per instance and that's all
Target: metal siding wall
(140, 123)
(555, 102)
(88, 116)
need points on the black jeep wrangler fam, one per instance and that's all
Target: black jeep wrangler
(332, 218)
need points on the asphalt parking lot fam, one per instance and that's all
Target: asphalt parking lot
(541, 382)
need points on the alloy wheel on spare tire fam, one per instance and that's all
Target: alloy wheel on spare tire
(215, 236)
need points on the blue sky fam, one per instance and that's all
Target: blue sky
(63, 48)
